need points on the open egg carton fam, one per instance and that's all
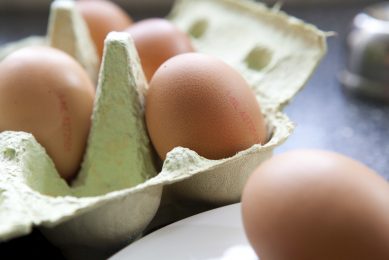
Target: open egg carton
(120, 192)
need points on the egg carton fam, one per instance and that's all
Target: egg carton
(121, 191)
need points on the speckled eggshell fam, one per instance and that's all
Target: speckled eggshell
(251, 38)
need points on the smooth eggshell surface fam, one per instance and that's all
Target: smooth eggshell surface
(45, 92)
(102, 17)
(157, 40)
(199, 102)
(310, 204)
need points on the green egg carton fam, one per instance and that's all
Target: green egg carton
(120, 192)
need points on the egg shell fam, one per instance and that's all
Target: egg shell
(75, 217)
(102, 17)
(46, 92)
(157, 40)
(8, 48)
(199, 102)
(221, 182)
(313, 204)
(66, 31)
(251, 38)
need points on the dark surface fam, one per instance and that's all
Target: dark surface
(328, 117)
(325, 116)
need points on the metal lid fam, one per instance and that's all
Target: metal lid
(367, 71)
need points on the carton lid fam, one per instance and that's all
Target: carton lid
(276, 53)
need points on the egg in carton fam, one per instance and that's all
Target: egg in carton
(118, 190)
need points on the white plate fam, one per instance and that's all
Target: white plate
(213, 235)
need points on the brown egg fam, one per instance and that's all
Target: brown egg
(156, 41)
(45, 92)
(310, 204)
(199, 102)
(102, 17)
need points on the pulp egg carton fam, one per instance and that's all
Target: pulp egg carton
(120, 192)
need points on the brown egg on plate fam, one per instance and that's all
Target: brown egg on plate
(199, 102)
(102, 17)
(156, 41)
(312, 204)
(44, 91)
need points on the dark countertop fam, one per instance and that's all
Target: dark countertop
(326, 117)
